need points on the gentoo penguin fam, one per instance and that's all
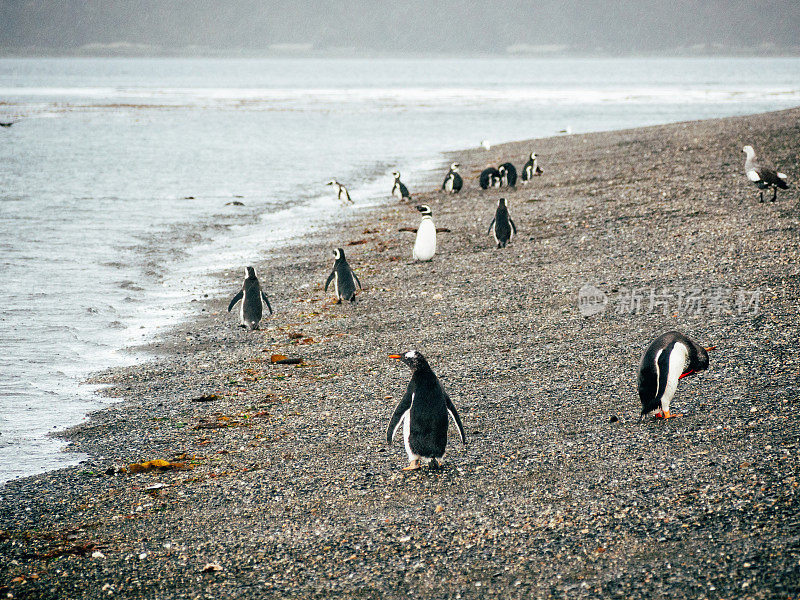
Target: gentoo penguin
(398, 189)
(502, 226)
(344, 280)
(531, 169)
(453, 182)
(489, 178)
(251, 296)
(667, 359)
(423, 414)
(425, 244)
(344, 195)
(762, 176)
(508, 175)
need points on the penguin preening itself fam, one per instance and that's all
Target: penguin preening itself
(422, 413)
(398, 189)
(425, 243)
(344, 195)
(763, 176)
(502, 226)
(251, 296)
(668, 358)
(489, 178)
(344, 280)
(531, 169)
(508, 175)
(453, 181)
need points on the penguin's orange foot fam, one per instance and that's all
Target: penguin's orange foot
(413, 466)
(669, 415)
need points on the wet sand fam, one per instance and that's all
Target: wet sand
(289, 487)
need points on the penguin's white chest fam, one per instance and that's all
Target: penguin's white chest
(425, 244)
(448, 185)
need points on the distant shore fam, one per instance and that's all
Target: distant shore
(286, 488)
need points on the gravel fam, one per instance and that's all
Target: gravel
(285, 487)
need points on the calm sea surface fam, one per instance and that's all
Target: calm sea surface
(114, 186)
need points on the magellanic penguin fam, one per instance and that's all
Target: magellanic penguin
(531, 169)
(344, 280)
(502, 226)
(422, 413)
(425, 244)
(344, 195)
(668, 358)
(508, 175)
(489, 178)
(398, 189)
(763, 176)
(453, 181)
(252, 297)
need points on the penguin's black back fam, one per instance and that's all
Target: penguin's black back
(511, 174)
(428, 418)
(528, 168)
(502, 225)
(345, 280)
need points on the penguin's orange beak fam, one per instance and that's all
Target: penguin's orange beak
(397, 356)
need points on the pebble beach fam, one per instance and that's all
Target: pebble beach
(277, 482)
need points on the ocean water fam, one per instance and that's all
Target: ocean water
(115, 183)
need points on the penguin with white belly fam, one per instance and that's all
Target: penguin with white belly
(453, 182)
(343, 277)
(399, 190)
(669, 358)
(252, 297)
(422, 414)
(425, 244)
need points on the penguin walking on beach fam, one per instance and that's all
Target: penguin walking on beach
(425, 243)
(763, 176)
(344, 195)
(508, 175)
(252, 296)
(422, 413)
(489, 178)
(668, 358)
(502, 226)
(453, 181)
(531, 169)
(344, 279)
(398, 189)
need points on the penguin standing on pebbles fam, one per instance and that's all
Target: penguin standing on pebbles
(453, 181)
(502, 226)
(668, 358)
(489, 178)
(531, 169)
(344, 280)
(422, 414)
(508, 175)
(398, 189)
(425, 244)
(344, 195)
(251, 296)
(762, 176)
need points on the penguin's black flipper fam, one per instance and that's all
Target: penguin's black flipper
(266, 301)
(357, 281)
(399, 412)
(490, 225)
(513, 227)
(456, 419)
(346, 193)
(330, 278)
(236, 298)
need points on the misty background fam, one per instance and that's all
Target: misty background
(359, 27)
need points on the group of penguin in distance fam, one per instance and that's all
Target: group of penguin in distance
(424, 411)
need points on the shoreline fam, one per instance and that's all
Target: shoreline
(304, 498)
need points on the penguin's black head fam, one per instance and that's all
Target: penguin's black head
(339, 254)
(424, 209)
(413, 359)
(249, 273)
(533, 155)
(396, 174)
(332, 182)
(501, 169)
(454, 167)
(502, 202)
